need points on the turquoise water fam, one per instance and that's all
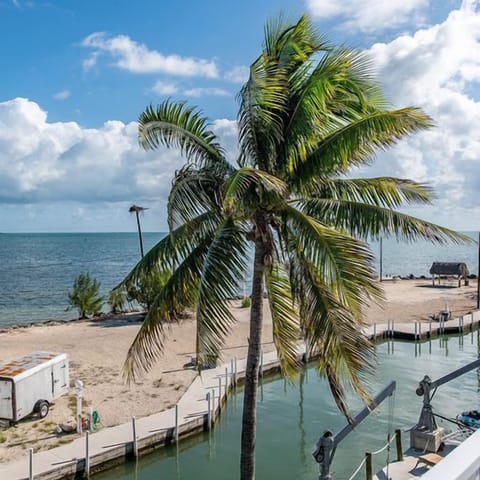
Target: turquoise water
(291, 418)
(38, 270)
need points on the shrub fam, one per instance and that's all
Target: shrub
(117, 299)
(85, 296)
(147, 287)
(246, 302)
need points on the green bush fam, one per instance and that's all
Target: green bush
(147, 287)
(246, 302)
(85, 296)
(117, 299)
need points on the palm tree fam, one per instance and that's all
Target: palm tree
(308, 114)
(137, 209)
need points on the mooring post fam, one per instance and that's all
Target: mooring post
(209, 416)
(374, 331)
(176, 423)
(134, 434)
(231, 372)
(393, 327)
(213, 405)
(236, 370)
(369, 466)
(261, 363)
(430, 329)
(30, 464)
(416, 335)
(226, 383)
(87, 453)
(219, 393)
(398, 441)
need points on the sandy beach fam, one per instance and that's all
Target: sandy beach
(97, 351)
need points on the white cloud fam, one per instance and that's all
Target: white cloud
(164, 88)
(237, 74)
(438, 69)
(62, 95)
(206, 92)
(137, 58)
(90, 169)
(369, 15)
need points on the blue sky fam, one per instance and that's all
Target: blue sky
(76, 75)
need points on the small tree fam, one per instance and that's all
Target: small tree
(146, 288)
(117, 299)
(85, 296)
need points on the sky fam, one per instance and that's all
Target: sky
(76, 76)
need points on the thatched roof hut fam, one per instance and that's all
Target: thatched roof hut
(458, 270)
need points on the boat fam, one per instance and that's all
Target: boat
(470, 419)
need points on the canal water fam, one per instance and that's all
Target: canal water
(292, 416)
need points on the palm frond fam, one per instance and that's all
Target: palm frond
(388, 192)
(333, 332)
(174, 124)
(342, 263)
(285, 322)
(195, 191)
(372, 221)
(181, 289)
(174, 247)
(252, 187)
(356, 143)
(222, 271)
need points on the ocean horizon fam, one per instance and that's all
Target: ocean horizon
(38, 269)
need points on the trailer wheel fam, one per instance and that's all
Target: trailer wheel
(42, 408)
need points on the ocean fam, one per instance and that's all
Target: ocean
(37, 270)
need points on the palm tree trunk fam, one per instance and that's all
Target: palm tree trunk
(249, 420)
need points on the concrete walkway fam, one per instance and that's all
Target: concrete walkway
(112, 445)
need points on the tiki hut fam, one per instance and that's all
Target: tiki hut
(458, 270)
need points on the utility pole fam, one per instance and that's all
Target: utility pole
(137, 209)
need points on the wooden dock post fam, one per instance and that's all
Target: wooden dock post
(87, 454)
(398, 441)
(134, 435)
(30, 464)
(369, 466)
(176, 423)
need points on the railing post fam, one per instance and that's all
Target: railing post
(419, 330)
(226, 382)
(393, 327)
(219, 392)
(213, 405)
(134, 433)
(176, 423)
(87, 454)
(209, 416)
(398, 441)
(30, 464)
(236, 370)
(261, 363)
(374, 331)
(369, 466)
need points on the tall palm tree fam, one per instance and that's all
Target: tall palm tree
(137, 209)
(308, 114)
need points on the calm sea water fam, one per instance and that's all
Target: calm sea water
(292, 417)
(38, 270)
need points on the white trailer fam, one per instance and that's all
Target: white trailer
(31, 383)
